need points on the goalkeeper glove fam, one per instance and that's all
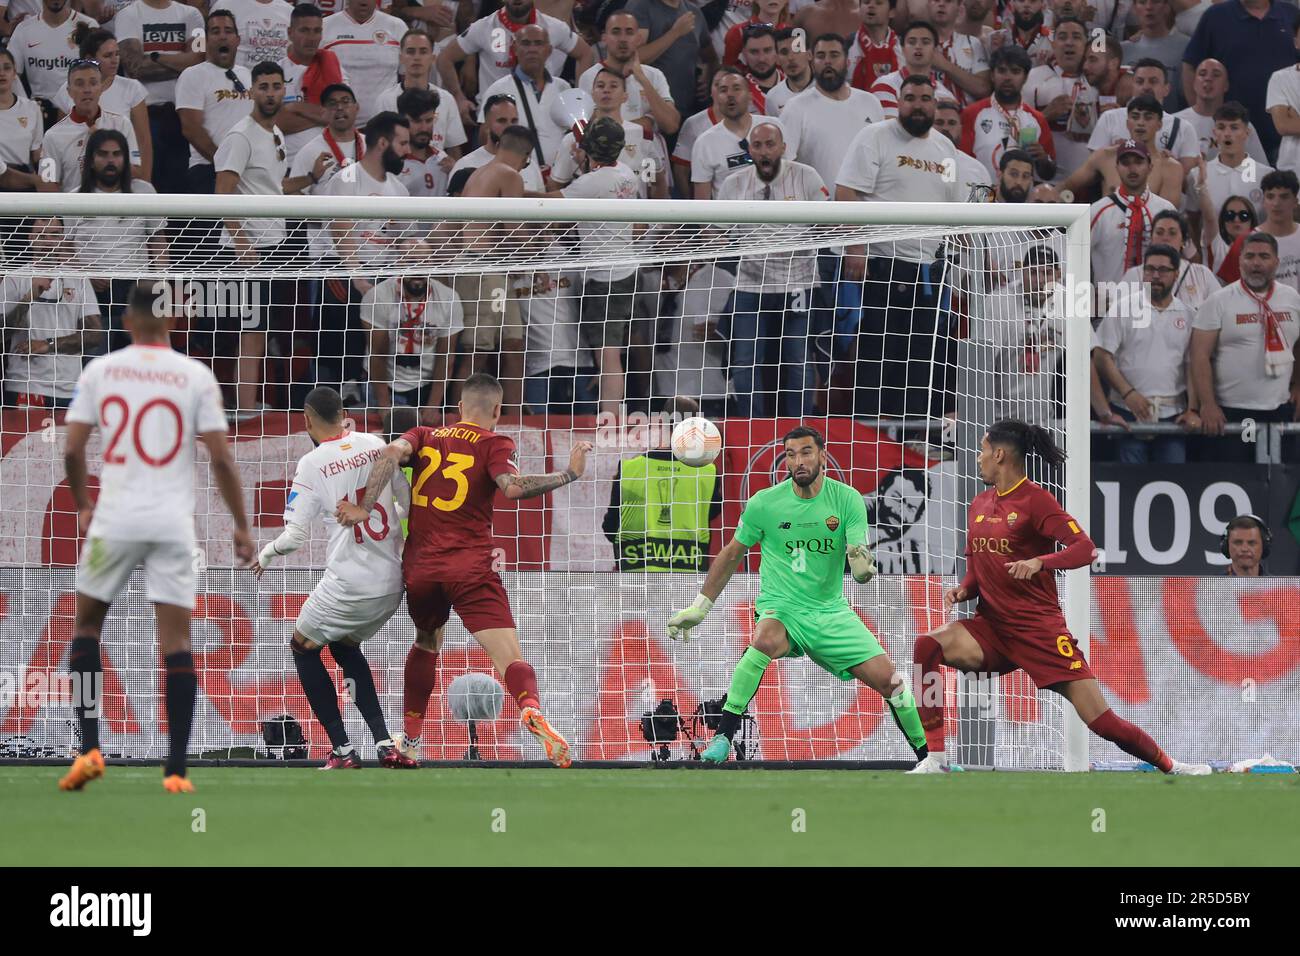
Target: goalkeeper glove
(680, 624)
(861, 563)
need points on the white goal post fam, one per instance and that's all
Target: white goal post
(982, 247)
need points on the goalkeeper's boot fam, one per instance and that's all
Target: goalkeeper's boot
(557, 748)
(338, 761)
(87, 767)
(391, 756)
(177, 784)
(1190, 769)
(931, 763)
(718, 750)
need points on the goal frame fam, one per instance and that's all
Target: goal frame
(1073, 218)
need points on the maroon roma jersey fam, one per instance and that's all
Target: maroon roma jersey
(453, 488)
(1025, 522)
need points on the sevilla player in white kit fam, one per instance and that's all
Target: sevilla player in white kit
(150, 404)
(362, 584)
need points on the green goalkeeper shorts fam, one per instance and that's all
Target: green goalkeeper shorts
(836, 640)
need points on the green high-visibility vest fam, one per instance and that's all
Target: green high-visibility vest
(663, 514)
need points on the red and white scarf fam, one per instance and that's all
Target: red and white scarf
(877, 60)
(1277, 352)
(337, 150)
(504, 19)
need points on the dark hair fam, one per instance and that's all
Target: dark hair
(1176, 216)
(756, 31)
(413, 103)
(1250, 209)
(726, 71)
(920, 25)
(785, 33)
(1025, 439)
(1169, 252)
(482, 382)
(76, 66)
(604, 69)
(1232, 110)
(916, 79)
(304, 10)
(496, 99)
(1261, 237)
(266, 68)
(1150, 62)
(89, 39)
(947, 105)
(383, 126)
(456, 184)
(1064, 20)
(1244, 522)
(416, 32)
(325, 403)
(143, 300)
(219, 12)
(1281, 179)
(400, 420)
(333, 88)
(96, 140)
(4, 51)
(1146, 103)
(519, 139)
(1011, 56)
(1040, 256)
(831, 38)
(804, 431)
(1014, 156)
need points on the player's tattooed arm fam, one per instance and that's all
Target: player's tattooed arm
(396, 454)
(515, 487)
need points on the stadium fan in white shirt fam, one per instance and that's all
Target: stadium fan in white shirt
(307, 71)
(1283, 103)
(1005, 121)
(211, 97)
(920, 41)
(607, 293)
(960, 58)
(535, 91)
(118, 94)
(989, 263)
(1025, 29)
(500, 112)
(426, 168)
(1280, 189)
(156, 39)
(1231, 173)
(363, 247)
(641, 153)
(772, 372)
(366, 40)
(22, 131)
(1029, 350)
(902, 160)
(558, 372)
(975, 179)
(1102, 168)
(65, 141)
(43, 47)
(62, 325)
(1177, 136)
(123, 245)
(340, 142)
(696, 362)
(794, 61)
(694, 127)
(412, 323)
(362, 584)
(1195, 282)
(144, 515)
(417, 65)
(1064, 96)
(1142, 356)
(1245, 345)
(1103, 68)
(1121, 221)
(263, 27)
(648, 94)
(821, 122)
(723, 149)
(497, 59)
(1209, 91)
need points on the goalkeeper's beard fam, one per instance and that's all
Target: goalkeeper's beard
(804, 479)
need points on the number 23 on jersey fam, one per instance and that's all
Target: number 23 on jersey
(454, 470)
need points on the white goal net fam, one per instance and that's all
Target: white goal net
(899, 331)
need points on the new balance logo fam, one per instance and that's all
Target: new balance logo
(75, 909)
(784, 526)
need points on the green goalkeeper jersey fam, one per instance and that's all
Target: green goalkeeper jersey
(803, 543)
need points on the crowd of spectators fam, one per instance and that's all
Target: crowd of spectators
(1178, 120)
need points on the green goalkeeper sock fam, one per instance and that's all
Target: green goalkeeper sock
(744, 684)
(903, 706)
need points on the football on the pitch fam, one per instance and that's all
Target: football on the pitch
(696, 442)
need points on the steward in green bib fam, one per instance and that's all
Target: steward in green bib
(659, 509)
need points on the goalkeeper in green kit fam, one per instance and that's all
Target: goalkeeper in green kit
(807, 526)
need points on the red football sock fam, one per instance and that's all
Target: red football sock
(1131, 739)
(928, 656)
(521, 682)
(419, 677)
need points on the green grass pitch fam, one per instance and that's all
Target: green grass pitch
(646, 817)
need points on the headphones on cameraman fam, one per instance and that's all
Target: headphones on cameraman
(1263, 531)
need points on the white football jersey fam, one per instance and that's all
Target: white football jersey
(149, 403)
(365, 561)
